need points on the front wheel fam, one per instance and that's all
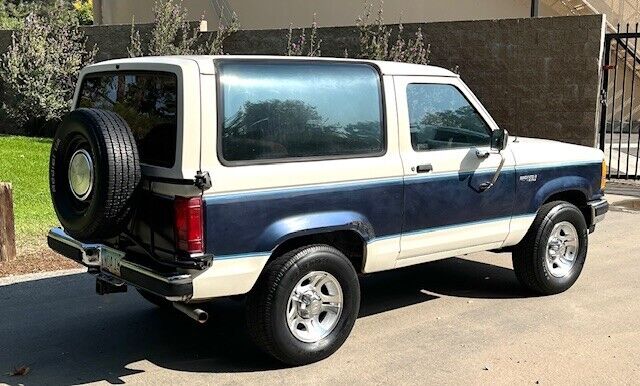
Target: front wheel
(551, 256)
(304, 305)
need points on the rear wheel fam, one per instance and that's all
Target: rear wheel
(304, 305)
(551, 256)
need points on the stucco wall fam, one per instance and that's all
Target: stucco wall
(537, 77)
(260, 14)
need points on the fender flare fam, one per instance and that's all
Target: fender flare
(307, 224)
(559, 185)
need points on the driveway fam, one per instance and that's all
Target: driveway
(459, 320)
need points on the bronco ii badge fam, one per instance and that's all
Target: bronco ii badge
(529, 178)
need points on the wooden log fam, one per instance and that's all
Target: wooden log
(7, 224)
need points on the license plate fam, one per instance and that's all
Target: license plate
(110, 260)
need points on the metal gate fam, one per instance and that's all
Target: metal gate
(620, 112)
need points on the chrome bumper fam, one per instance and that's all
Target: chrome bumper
(113, 263)
(598, 209)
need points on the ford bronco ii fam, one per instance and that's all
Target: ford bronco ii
(283, 179)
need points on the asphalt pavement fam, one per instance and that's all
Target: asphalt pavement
(459, 320)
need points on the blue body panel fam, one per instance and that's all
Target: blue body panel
(583, 177)
(253, 222)
(448, 199)
(259, 221)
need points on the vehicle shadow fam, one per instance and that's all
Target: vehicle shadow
(455, 276)
(68, 335)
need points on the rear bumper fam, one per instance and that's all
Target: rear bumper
(598, 209)
(174, 286)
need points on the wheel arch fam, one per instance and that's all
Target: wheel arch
(575, 197)
(575, 190)
(346, 240)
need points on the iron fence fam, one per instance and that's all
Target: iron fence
(620, 111)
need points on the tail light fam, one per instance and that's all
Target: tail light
(189, 224)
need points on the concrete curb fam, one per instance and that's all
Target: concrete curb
(9, 280)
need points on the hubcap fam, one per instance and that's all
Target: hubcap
(562, 249)
(81, 174)
(314, 306)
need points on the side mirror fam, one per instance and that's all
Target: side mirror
(499, 139)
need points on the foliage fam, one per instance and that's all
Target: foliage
(25, 163)
(375, 40)
(215, 45)
(40, 69)
(296, 47)
(172, 34)
(13, 13)
(84, 11)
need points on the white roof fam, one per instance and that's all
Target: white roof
(206, 61)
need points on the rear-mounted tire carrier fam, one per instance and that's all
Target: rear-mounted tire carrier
(172, 286)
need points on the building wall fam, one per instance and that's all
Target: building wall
(271, 14)
(538, 77)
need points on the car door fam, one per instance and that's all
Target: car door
(444, 140)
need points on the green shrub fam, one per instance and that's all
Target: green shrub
(84, 11)
(12, 14)
(172, 33)
(40, 69)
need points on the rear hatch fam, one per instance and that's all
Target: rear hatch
(151, 103)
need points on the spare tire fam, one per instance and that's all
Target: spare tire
(94, 173)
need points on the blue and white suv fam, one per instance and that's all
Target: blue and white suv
(283, 179)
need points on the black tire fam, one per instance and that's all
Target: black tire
(267, 304)
(111, 147)
(155, 299)
(530, 255)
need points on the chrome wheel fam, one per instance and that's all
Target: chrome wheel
(562, 249)
(80, 174)
(314, 306)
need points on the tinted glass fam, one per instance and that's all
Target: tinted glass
(147, 101)
(289, 110)
(442, 118)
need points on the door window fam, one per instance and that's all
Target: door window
(441, 117)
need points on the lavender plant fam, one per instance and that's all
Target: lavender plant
(215, 46)
(375, 40)
(40, 68)
(173, 34)
(299, 47)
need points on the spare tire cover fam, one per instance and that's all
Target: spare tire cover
(94, 173)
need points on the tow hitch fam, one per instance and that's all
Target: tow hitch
(109, 285)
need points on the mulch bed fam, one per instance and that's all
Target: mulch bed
(40, 260)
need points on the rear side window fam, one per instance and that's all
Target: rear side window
(281, 111)
(441, 117)
(147, 101)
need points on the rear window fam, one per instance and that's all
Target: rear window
(147, 101)
(295, 111)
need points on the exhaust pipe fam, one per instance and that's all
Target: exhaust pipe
(200, 316)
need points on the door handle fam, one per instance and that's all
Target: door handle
(424, 168)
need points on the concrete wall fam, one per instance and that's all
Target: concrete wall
(537, 77)
(260, 14)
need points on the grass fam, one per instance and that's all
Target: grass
(24, 162)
